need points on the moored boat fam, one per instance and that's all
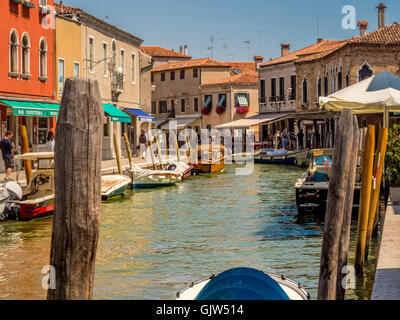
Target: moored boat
(146, 178)
(312, 186)
(280, 156)
(210, 159)
(244, 284)
(113, 186)
(182, 167)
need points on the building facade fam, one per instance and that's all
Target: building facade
(162, 55)
(27, 92)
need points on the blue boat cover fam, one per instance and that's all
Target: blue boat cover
(242, 284)
(325, 160)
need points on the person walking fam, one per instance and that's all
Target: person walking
(300, 136)
(50, 141)
(143, 144)
(7, 146)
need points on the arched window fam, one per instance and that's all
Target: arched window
(43, 58)
(365, 72)
(114, 52)
(14, 52)
(305, 92)
(319, 86)
(340, 80)
(326, 86)
(25, 55)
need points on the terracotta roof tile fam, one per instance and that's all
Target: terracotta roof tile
(207, 62)
(156, 51)
(244, 78)
(389, 35)
(319, 47)
(244, 67)
(65, 9)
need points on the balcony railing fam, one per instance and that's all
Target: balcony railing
(281, 98)
(272, 99)
(292, 97)
(263, 99)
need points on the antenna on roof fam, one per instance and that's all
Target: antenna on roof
(211, 48)
(248, 48)
(317, 18)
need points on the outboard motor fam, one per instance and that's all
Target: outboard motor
(14, 191)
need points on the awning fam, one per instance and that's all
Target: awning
(255, 120)
(33, 109)
(208, 100)
(242, 100)
(221, 101)
(116, 114)
(160, 121)
(142, 116)
(181, 123)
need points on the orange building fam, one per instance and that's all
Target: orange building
(27, 95)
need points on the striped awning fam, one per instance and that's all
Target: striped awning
(221, 101)
(242, 100)
(208, 100)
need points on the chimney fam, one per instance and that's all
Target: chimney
(381, 15)
(180, 49)
(61, 6)
(185, 49)
(285, 49)
(319, 40)
(363, 25)
(258, 60)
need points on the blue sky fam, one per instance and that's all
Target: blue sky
(171, 23)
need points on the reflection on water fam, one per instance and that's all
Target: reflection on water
(154, 242)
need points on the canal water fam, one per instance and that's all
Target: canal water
(154, 242)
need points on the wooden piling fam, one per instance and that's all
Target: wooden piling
(376, 186)
(153, 160)
(76, 222)
(25, 149)
(117, 153)
(348, 210)
(159, 152)
(365, 199)
(128, 148)
(178, 156)
(338, 184)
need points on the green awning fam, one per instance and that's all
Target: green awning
(242, 100)
(116, 114)
(33, 109)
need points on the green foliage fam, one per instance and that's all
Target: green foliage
(393, 156)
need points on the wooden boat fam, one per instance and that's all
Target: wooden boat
(38, 198)
(280, 156)
(146, 178)
(182, 167)
(210, 159)
(113, 186)
(312, 186)
(244, 284)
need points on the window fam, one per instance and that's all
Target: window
(91, 54)
(183, 108)
(273, 89)
(114, 53)
(172, 108)
(208, 101)
(340, 80)
(281, 89)
(173, 75)
(326, 81)
(183, 74)
(293, 86)
(242, 100)
(347, 80)
(14, 52)
(61, 74)
(133, 69)
(195, 73)
(42, 132)
(162, 76)
(319, 90)
(105, 61)
(122, 61)
(76, 69)
(305, 92)
(162, 107)
(262, 91)
(221, 100)
(152, 77)
(25, 55)
(153, 107)
(106, 127)
(364, 73)
(43, 59)
(196, 104)
(42, 3)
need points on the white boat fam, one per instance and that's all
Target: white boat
(113, 186)
(244, 284)
(181, 167)
(146, 178)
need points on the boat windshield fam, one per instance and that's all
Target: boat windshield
(323, 161)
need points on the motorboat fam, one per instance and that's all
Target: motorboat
(38, 198)
(244, 284)
(312, 186)
(147, 178)
(210, 159)
(113, 186)
(182, 167)
(280, 156)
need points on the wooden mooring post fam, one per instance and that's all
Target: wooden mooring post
(365, 199)
(128, 148)
(76, 222)
(336, 205)
(25, 149)
(117, 153)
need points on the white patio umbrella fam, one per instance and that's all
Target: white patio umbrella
(380, 93)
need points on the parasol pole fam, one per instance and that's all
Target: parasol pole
(386, 118)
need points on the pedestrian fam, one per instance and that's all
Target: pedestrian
(292, 141)
(7, 146)
(300, 136)
(50, 142)
(143, 145)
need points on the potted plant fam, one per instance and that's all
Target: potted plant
(220, 109)
(393, 162)
(206, 110)
(242, 109)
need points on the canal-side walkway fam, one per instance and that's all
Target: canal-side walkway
(387, 277)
